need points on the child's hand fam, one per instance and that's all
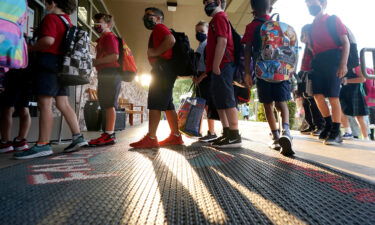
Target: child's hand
(343, 70)
(216, 71)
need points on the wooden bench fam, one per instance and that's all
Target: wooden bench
(123, 103)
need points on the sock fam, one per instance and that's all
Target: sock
(76, 136)
(233, 134)
(335, 127)
(275, 134)
(328, 122)
(286, 126)
(226, 131)
(110, 132)
(348, 130)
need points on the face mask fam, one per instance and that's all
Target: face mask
(149, 23)
(315, 10)
(98, 29)
(210, 8)
(201, 37)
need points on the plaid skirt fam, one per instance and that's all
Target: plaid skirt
(352, 99)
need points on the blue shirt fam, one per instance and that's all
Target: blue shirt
(202, 64)
(245, 110)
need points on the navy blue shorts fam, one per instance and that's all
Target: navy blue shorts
(160, 94)
(204, 89)
(273, 92)
(222, 88)
(46, 82)
(18, 89)
(324, 73)
(109, 87)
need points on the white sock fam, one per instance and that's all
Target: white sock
(110, 132)
(348, 130)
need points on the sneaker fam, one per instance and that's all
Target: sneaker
(307, 131)
(20, 145)
(172, 140)
(334, 139)
(347, 136)
(104, 139)
(217, 141)
(286, 144)
(230, 142)
(209, 137)
(146, 142)
(76, 144)
(317, 132)
(35, 152)
(275, 145)
(6, 147)
(324, 134)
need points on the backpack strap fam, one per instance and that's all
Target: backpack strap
(332, 30)
(277, 17)
(69, 33)
(121, 51)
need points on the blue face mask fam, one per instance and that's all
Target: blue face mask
(201, 37)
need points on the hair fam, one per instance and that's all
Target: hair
(223, 3)
(260, 6)
(157, 11)
(67, 6)
(202, 23)
(107, 18)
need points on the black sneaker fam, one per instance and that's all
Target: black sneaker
(275, 145)
(230, 142)
(286, 144)
(307, 131)
(209, 137)
(317, 132)
(334, 139)
(324, 133)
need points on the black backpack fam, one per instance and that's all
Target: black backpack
(184, 60)
(353, 60)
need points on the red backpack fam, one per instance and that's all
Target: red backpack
(128, 68)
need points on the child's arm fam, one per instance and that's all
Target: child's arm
(167, 44)
(343, 69)
(107, 59)
(359, 79)
(219, 54)
(43, 44)
(248, 55)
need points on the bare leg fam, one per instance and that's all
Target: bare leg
(336, 109)
(62, 103)
(110, 119)
(25, 123)
(283, 108)
(6, 123)
(362, 123)
(345, 121)
(322, 105)
(153, 123)
(232, 116)
(45, 119)
(211, 126)
(268, 109)
(223, 117)
(172, 121)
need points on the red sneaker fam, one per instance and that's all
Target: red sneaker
(172, 140)
(146, 142)
(20, 145)
(104, 139)
(6, 147)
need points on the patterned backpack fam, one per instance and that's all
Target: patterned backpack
(13, 48)
(276, 53)
(77, 61)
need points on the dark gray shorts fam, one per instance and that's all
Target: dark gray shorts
(222, 88)
(109, 87)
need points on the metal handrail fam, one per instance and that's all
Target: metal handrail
(363, 62)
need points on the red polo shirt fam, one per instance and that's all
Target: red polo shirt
(322, 40)
(251, 28)
(157, 37)
(219, 27)
(107, 45)
(53, 26)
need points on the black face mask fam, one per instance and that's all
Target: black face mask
(315, 9)
(201, 37)
(210, 8)
(149, 23)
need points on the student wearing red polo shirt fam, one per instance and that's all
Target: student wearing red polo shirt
(160, 96)
(109, 79)
(269, 94)
(50, 51)
(329, 67)
(219, 63)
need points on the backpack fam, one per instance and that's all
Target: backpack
(13, 48)
(77, 61)
(275, 51)
(128, 68)
(184, 60)
(353, 60)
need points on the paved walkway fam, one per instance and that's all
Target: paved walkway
(193, 184)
